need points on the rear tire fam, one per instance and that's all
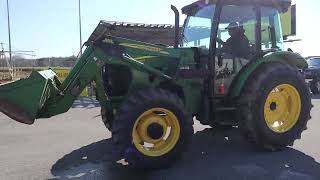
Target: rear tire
(253, 104)
(129, 131)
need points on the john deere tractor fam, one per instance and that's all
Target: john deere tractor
(149, 94)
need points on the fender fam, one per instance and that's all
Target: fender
(293, 59)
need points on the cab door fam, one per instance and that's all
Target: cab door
(236, 43)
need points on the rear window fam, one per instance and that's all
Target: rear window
(314, 62)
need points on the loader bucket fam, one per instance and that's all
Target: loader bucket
(23, 99)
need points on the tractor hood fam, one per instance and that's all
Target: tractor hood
(134, 48)
(159, 60)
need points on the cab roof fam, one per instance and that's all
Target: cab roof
(281, 5)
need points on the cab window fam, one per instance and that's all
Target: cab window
(271, 34)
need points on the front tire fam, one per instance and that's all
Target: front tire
(152, 128)
(107, 118)
(274, 106)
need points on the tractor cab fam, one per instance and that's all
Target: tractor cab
(259, 22)
(234, 31)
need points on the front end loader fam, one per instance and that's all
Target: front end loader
(227, 67)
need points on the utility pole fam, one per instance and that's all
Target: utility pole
(2, 56)
(3, 59)
(80, 27)
(9, 34)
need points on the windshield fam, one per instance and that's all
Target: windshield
(197, 28)
(314, 62)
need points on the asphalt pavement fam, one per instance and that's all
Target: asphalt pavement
(76, 145)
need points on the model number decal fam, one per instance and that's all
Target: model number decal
(143, 47)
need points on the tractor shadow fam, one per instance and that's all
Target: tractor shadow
(214, 154)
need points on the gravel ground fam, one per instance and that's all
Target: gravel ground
(75, 145)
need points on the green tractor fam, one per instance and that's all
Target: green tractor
(228, 67)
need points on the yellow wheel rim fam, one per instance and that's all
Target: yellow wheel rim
(166, 122)
(282, 108)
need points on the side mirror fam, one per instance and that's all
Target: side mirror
(289, 22)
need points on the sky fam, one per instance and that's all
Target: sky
(50, 27)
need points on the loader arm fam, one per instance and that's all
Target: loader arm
(87, 70)
(84, 72)
(50, 97)
(42, 95)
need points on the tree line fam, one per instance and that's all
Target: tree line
(20, 61)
